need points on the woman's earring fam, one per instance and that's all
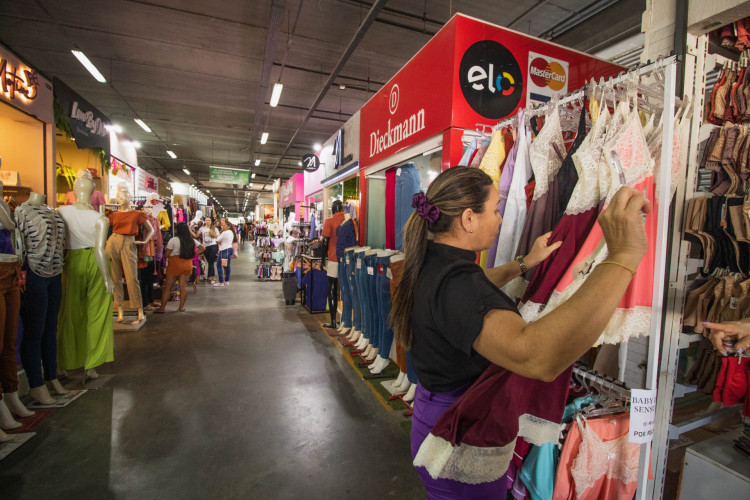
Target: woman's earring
(471, 230)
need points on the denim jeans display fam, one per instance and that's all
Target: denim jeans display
(370, 299)
(351, 267)
(346, 297)
(383, 297)
(40, 305)
(364, 309)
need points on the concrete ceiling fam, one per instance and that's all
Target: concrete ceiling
(194, 70)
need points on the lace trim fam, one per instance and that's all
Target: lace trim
(632, 150)
(586, 160)
(626, 324)
(474, 464)
(545, 161)
(516, 287)
(531, 311)
(616, 459)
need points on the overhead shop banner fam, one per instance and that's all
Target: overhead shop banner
(88, 124)
(24, 88)
(224, 175)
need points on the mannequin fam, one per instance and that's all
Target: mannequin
(346, 236)
(198, 217)
(330, 225)
(10, 294)
(121, 249)
(84, 328)
(364, 297)
(288, 239)
(356, 334)
(385, 340)
(159, 212)
(41, 242)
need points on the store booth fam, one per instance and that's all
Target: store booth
(468, 77)
(292, 196)
(27, 130)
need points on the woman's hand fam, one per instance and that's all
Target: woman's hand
(724, 334)
(541, 250)
(623, 228)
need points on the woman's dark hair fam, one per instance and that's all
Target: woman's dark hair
(187, 245)
(453, 191)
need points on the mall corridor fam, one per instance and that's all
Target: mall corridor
(239, 397)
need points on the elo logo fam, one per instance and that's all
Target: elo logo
(491, 79)
(393, 99)
(547, 74)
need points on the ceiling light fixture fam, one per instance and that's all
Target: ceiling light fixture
(299, 163)
(113, 127)
(264, 137)
(89, 66)
(171, 153)
(257, 162)
(186, 171)
(136, 144)
(252, 176)
(342, 86)
(142, 125)
(276, 94)
(316, 147)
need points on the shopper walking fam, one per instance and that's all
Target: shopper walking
(179, 253)
(208, 234)
(225, 240)
(461, 327)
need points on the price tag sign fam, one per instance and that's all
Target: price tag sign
(359, 263)
(642, 415)
(389, 274)
(370, 271)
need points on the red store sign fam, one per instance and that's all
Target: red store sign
(469, 73)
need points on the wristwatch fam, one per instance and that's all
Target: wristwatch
(521, 263)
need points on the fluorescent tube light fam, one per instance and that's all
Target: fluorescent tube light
(89, 66)
(171, 153)
(276, 94)
(252, 176)
(264, 137)
(186, 171)
(257, 162)
(316, 147)
(142, 125)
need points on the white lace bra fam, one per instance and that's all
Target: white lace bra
(585, 194)
(547, 152)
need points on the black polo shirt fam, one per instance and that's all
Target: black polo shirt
(452, 296)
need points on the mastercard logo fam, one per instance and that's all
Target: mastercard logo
(547, 74)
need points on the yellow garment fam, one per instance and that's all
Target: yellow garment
(163, 219)
(494, 157)
(483, 259)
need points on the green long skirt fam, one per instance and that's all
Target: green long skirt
(84, 327)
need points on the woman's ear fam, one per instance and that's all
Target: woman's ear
(466, 220)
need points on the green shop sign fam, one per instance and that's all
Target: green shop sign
(228, 175)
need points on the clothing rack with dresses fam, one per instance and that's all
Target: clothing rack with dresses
(663, 195)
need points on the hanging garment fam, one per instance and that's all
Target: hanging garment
(9, 312)
(396, 268)
(494, 157)
(598, 462)
(503, 188)
(469, 152)
(632, 318)
(43, 233)
(476, 160)
(390, 208)
(84, 335)
(345, 238)
(515, 208)
(407, 184)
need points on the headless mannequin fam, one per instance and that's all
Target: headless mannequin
(364, 342)
(333, 279)
(82, 188)
(10, 402)
(124, 198)
(382, 360)
(356, 335)
(41, 393)
(288, 239)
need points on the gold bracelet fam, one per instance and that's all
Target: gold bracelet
(621, 265)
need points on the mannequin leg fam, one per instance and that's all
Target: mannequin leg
(4, 438)
(130, 266)
(7, 421)
(379, 365)
(183, 290)
(400, 379)
(34, 312)
(409, 396)
(15, 405)
(372, 355)
(165, 292)
(57, 387)
(41, 395)
(99, 337)
(114, 251)
(91, 373)
(333, 298)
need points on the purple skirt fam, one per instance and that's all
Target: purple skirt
(428, 408)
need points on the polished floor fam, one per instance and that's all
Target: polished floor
(238, 397)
